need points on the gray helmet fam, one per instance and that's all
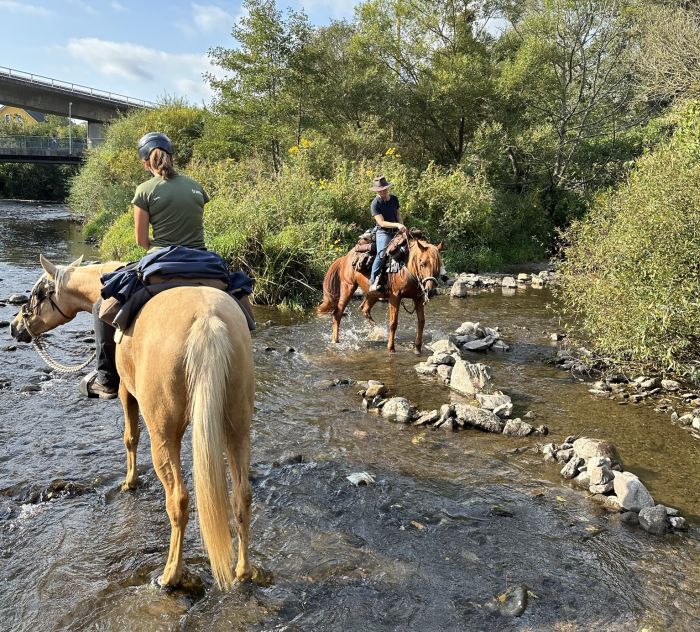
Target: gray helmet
(151, 141)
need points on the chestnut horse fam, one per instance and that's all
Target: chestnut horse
(187, 356)
(417, 280)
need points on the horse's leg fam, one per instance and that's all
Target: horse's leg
(165, 451)
(132, 433)
(238, 453)
(394, 304)
(346, 291)
(367, 304)
(420, 315)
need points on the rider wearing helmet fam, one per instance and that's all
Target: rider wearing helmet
(173, 205)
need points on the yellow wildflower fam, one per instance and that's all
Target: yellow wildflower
(294, 149)
(390, 152)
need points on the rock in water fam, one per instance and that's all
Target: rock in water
(468, 329)
(459, 289)
(653, 519)
(509, 282)
(590, 448)
(498, 402)
(375, 388)
(511, 603)
(398, 408)
(631, 492)
(441, 358)
(17, 299)
(470, 379)
(478, 418)
(443, 346)
(517, 428)
(423, 368)
(570, 470)
(444, 371)
(678, 523)
(426, 418)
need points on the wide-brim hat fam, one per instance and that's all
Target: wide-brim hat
(380, 183)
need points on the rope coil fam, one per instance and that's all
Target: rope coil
(38, 345)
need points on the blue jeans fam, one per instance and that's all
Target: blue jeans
(383, 239)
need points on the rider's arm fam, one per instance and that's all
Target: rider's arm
(141, 218)
(379, 218)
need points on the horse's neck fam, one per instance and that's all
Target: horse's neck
(84, 285)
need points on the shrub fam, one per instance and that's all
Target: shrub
(630, 273)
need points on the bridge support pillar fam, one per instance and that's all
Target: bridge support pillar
(95, 133)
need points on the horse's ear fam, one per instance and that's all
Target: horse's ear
(421, 244)
(49, 267)
(440, 246)
(77, 262)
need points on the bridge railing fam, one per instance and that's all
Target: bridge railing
(29, 77)
(41, 146)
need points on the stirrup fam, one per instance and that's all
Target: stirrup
(88, 381)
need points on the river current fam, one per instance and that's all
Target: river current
(421, 549)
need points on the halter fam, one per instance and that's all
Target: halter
(29, 309)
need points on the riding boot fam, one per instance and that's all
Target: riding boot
(105, 348)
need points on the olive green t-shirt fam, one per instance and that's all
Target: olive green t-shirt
(175, 208)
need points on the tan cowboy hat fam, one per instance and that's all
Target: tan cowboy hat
(380, 183)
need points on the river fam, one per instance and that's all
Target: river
(421, 549)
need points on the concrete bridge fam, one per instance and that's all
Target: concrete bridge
(53, 96)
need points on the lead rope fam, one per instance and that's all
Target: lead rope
(67, 369)
(37, 343)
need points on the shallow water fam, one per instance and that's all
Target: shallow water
(419, 550)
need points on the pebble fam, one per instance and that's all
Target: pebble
(11, 348)
(4, 323)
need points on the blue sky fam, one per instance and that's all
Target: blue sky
(134, 47)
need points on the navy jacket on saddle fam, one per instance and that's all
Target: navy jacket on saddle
(130, 284)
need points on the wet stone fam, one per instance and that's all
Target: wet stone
(4, 323)
(17, 299)
(30, 388)
(678, 523)
(426, 418)
(374, 389)
(653, 519)
(630, 518)
(564, 456)
(570, 470)
(511, 603)
(517, 428)
(631, 492)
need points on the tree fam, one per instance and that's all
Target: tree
(262, 94)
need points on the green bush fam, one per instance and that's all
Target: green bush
(630, 273)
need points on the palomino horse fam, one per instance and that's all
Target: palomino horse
(417, 281)
(187, 356)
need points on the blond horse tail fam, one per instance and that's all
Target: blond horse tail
(208, 365)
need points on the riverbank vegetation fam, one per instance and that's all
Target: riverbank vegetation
(500, 123)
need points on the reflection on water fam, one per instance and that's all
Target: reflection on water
(419, 550)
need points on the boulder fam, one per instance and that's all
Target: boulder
(650, 383)
(517, 428)
(398, 408)
(602, 488)
(629, 518)
(470, 379)
(478, 418)
(653, 519)
(500, 345)
(497, 402)
(564, 455)
(590, 448)
(423, 368)
(631, 492)
(427, 417)
(678, 523)
(599, 469)
(443, 346)
(459, 289)
(480, 344)
(523, 278)
(670, 385)
(444, 371)
(509, 282)
(582, 479)
(17, 299)
(611, 503)
(468, 328)
(549, 450)
(570, 470)
(374, 388)
(441, 358)
(537, 282)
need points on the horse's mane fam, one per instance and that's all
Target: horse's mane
(417, 246)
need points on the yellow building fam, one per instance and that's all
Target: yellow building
(10, 114)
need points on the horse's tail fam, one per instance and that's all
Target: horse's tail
(208, 364)
(331, 287)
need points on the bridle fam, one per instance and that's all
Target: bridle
(30, 308)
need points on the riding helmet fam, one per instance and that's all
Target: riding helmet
(151, 141)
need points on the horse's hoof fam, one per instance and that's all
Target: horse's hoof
(165, 587)
(258, 576)
(417, 351)
(127, 486)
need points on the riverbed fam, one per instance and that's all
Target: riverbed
(421, 549)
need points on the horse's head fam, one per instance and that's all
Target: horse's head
(47, 307)
(425, 263)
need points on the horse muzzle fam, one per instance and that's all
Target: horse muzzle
(19, 332)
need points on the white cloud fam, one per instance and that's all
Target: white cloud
(117, 6)
(210, 18)
(331, 8)
(24, 7)
(160, 71)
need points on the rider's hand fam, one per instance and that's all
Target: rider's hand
(402, 228)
